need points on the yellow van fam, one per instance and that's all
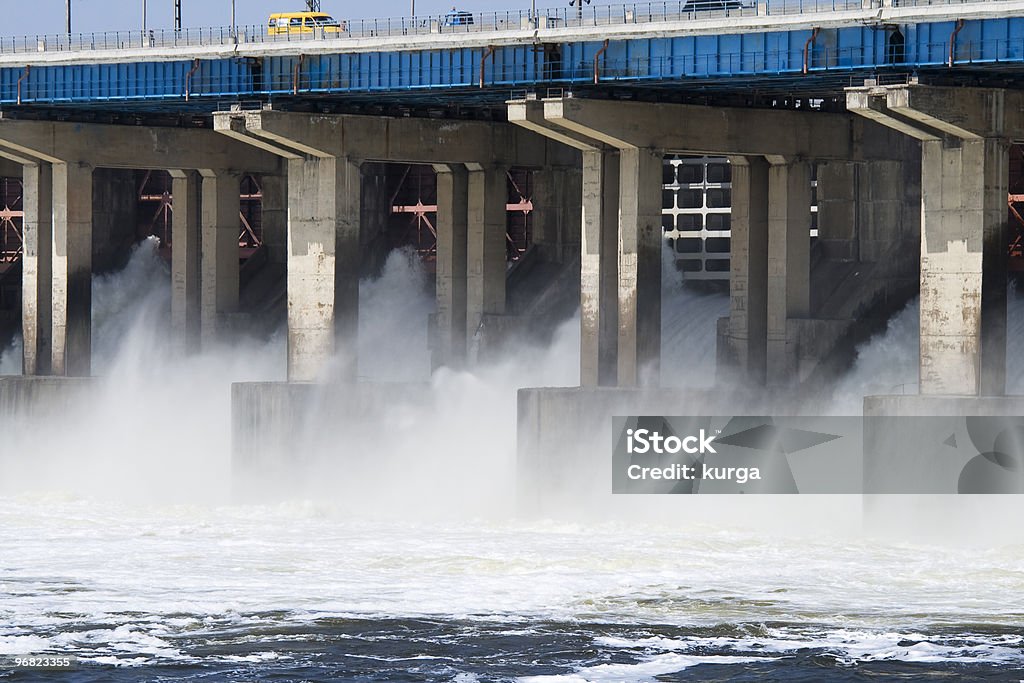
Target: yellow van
(303, 22)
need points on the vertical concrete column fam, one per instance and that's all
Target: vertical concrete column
(599, 268)
(37, 268)
(72, 269)
(789, 271)
(487, 226)
(640, 245)
(185, 250)
(274, 216)
(452, 207)
(748, 266)
(323, 266)
(219, 262)
(963, 267)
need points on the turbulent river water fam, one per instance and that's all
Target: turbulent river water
(121, 544)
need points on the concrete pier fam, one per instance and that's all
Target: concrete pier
(311, 142)
(789, 268)
(72, 269)
(487, 195)
(452, 234)
(323, 265)
(219, 239)
(965, 135)
(772, 237)
(185, 278)
(599, 313)
(37, 268)
(747, 333)
(61, 159)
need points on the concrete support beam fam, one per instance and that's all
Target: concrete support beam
(72, 269)
(219, 263)
(748, 263)
(37, 268)
(487, 188)
(131, 147)
(452, 235)
(789, 271)
(640, 245)
(718, 130)
(963, 267)
(965, 135)
(323, 266)
(599, 338)
(185, 261)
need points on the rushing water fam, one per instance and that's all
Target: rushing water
(120, 543)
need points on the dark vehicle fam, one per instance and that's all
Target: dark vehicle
(458, 18)
(709, 5)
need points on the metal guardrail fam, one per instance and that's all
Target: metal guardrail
(483, 22)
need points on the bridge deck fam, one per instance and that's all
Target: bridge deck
(798, 47)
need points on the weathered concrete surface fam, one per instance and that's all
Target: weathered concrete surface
(282, 430)
(323, 265)
(747, 327)
(719, 130)
(449, 348)
(555, 216)
(789, 267)
(380, 138)
(640, 245)
(599, 337)
(185, 256)
(487, 193)
(219, 261)
(72, 270)
(965, 135)
(42, 398)
(131, 147)
(37, 268)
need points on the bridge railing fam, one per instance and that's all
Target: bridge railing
(461, 23)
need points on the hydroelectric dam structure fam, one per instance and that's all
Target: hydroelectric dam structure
(825, 160)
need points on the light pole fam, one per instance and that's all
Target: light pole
(234, 31)
(143, 16)
(67, 16)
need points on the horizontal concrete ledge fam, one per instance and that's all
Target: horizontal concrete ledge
(981, 9)
(915, 405)
(35, 397)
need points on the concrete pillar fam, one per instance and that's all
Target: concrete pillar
(323, 265)
(219, 262)
(748, 265)
(72, 269)
(839, 205)
(599, 269)
(37, 268)
(963, 266)
(486, 244)
(274, 216)
(452, 206)
(789, 245)
(185, 257)
(640, 245)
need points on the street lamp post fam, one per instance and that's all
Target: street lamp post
(67, 16)
(234, 30)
